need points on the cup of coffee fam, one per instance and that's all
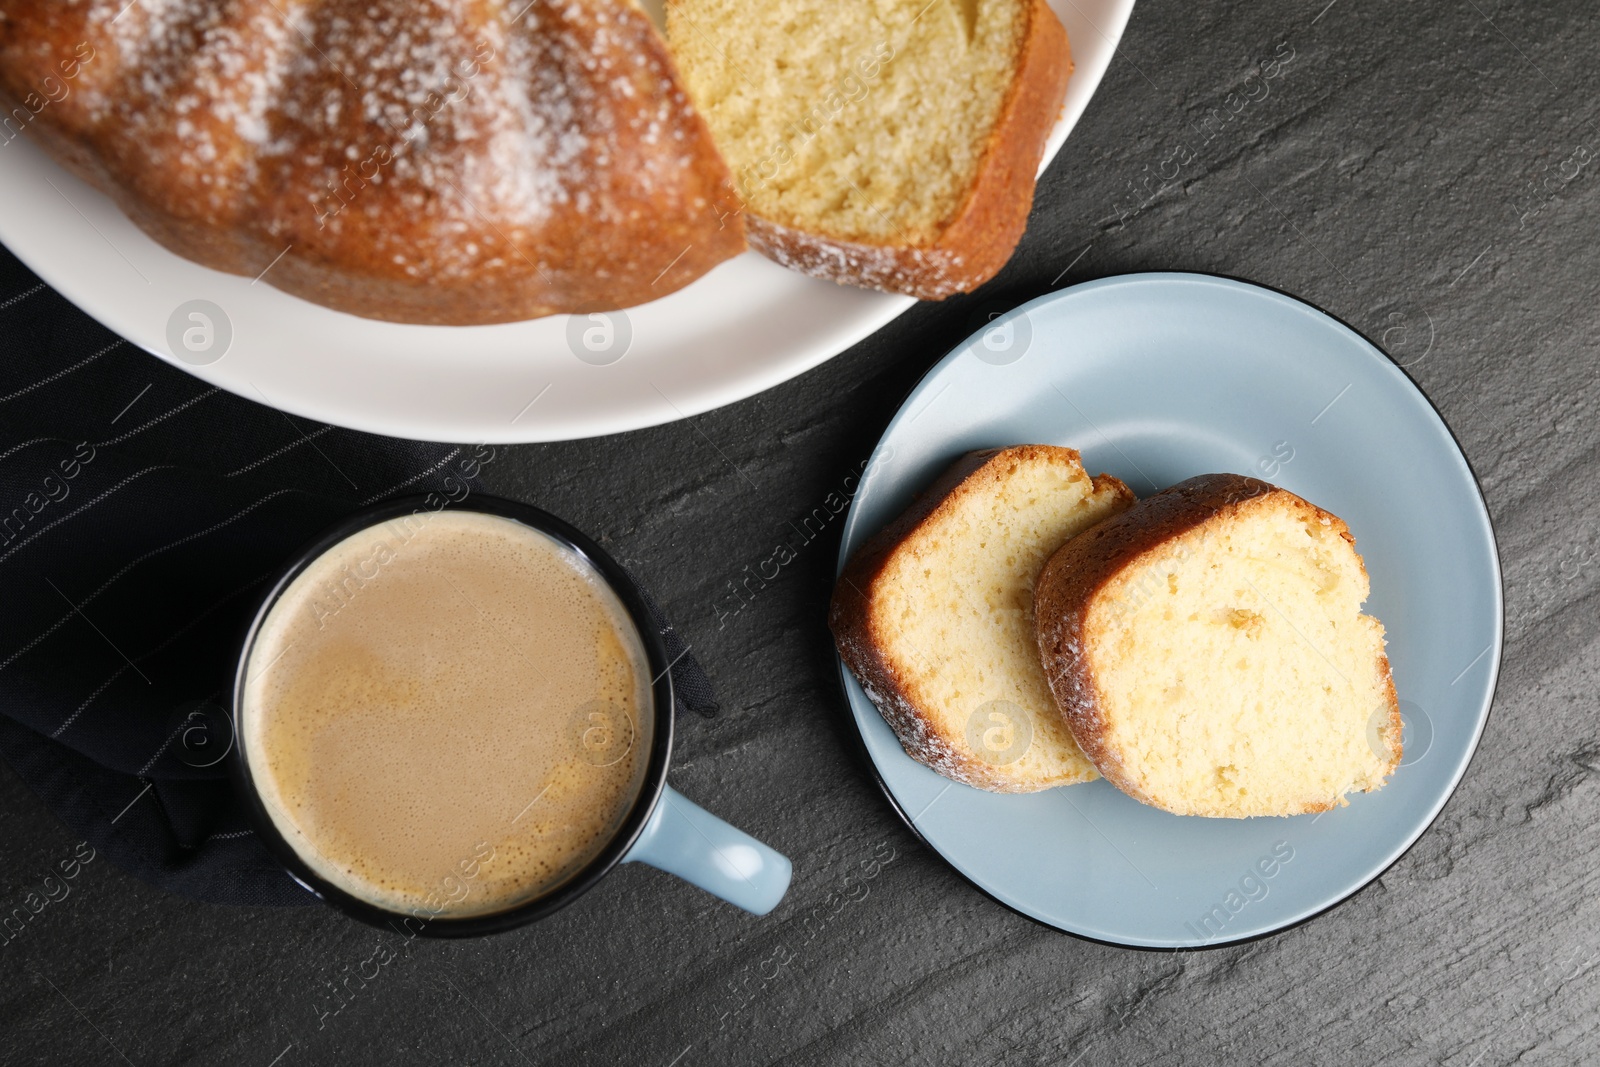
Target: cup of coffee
(453, 721)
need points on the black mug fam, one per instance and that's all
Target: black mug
(661, 828)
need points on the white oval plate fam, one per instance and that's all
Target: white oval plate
(744, 327)
(1156, 378)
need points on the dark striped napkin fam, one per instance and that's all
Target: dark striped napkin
(142, 513)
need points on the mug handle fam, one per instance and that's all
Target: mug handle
(684, 839)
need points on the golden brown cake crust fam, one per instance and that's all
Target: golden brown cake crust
(1088, 564)
(980, 238)
(856, 628)
(457, 165)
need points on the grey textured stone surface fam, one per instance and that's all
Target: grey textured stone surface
(1415, 169)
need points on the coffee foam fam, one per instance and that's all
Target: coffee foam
(448, 714)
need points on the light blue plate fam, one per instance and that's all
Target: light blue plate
(1156, 378)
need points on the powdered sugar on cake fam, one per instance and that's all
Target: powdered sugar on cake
(482, 123)
(889, 268)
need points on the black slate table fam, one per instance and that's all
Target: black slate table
(1423, 171)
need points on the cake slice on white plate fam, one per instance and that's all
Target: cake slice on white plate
(893, 144)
